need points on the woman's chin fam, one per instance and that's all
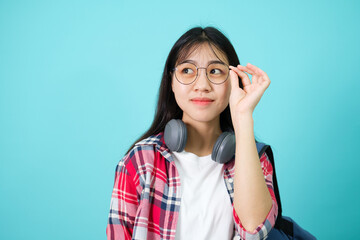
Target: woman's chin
(200, 117)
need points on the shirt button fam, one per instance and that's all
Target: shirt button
(231, 180)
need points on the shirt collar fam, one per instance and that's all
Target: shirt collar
(159, 143)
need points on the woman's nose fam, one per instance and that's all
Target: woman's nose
(202, 82)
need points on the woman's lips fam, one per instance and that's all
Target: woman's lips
(202, 101)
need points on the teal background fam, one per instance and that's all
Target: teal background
(79, 82)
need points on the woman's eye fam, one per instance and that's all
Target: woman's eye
(215, 71)
(187, 70)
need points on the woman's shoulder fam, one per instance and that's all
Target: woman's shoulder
(156, 139)
(144, 151)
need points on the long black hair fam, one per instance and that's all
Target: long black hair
(167, 107)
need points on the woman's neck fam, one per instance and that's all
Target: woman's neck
(201, 136)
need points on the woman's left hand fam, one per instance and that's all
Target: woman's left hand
(243, 101)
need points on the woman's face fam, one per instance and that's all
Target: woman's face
(202, 100)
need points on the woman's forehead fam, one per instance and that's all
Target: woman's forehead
(203, 51)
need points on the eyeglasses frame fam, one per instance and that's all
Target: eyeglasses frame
(197, 73)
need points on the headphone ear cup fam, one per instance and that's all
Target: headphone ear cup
(224, 148)
(175, 135)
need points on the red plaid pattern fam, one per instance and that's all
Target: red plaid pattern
(145, 201)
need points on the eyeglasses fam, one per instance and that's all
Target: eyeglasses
(186, 73)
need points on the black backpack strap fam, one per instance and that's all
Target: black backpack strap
(262, 147)
(286, 226)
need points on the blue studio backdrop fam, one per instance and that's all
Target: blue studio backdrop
(79, 83)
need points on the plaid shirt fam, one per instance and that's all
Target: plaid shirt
(146, 197)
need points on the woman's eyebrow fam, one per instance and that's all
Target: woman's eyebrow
(194, 62)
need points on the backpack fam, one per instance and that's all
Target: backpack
(285, 227)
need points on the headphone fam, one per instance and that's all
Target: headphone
(175, 137)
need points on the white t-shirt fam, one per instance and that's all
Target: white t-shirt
(205, 210)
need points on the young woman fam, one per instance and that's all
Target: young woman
(163, 194)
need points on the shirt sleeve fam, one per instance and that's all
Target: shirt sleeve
(264, 228)
(123, 205)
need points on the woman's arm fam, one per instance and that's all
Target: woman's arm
(252, 199)
(123, 205)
